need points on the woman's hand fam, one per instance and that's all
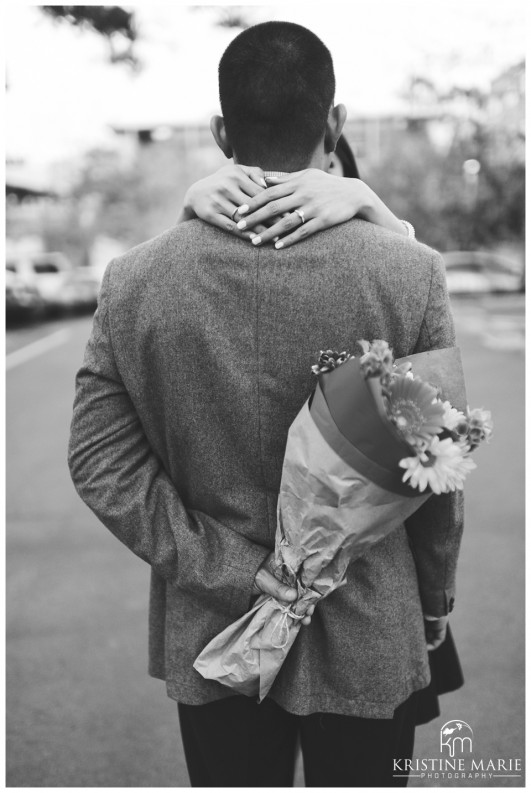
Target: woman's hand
(324, 200)
(216, 198)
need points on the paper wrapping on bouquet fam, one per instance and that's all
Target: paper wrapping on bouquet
(444, 370)
(341, 492)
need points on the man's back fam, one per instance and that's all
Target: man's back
(199, 360)
(213, 341)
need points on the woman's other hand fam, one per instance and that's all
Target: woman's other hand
(216, 198)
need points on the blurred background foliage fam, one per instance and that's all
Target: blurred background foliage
(452, 162)
(112, 22)
(465, 193)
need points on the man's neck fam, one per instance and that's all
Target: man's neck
(318, 160)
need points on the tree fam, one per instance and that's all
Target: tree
(236, 17)
(451, 207)
(113, 23)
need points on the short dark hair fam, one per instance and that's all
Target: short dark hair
(276, 87)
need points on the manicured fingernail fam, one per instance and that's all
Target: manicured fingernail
(256, 240)
(278, 244)
(241, 224)
(263, 181)
(275, 239)
(272, 178)
(243, 209)
(252, 235)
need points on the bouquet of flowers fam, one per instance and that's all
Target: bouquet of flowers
(375, 440)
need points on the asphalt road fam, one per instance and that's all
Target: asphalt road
(81, 710)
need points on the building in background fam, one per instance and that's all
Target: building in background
(450, 161)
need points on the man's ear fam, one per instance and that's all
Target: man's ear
(217, 127)
(334, 126)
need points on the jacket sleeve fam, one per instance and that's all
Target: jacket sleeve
(121, 479)
(435, 530)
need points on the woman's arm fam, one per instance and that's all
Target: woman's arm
(379, 213)
(325, 200)
(217, 197)
(235, 199)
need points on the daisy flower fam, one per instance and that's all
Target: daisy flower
(443, 467)
(413, 409)
(452, 418)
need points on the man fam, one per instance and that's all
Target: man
(198, 362)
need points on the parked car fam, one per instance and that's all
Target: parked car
(58, 284)
(482, 272)
(48, 273)
(83, 288)
(22, 300)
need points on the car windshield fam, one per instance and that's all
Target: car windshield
(45, 267)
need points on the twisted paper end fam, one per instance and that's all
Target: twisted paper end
(281, 625)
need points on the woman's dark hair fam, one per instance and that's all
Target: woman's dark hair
(276, 88)
(347, 159)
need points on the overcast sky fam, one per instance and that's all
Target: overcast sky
(63, 93)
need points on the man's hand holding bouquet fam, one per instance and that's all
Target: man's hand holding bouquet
(375, 440)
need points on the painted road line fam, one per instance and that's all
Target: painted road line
(36, 348)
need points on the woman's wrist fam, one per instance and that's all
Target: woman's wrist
(375, 211)
(187, 212)
(363, 199)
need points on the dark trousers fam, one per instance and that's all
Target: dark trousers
(236, 742)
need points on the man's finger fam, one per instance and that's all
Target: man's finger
(283, 592)
(435, 633)
(269, 584)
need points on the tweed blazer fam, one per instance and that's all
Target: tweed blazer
(198, 362)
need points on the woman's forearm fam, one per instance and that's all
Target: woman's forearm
(215, 198)
(187, 212)
(375, 211)
(324, 200)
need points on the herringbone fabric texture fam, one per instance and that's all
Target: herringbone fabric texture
(198, 362)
